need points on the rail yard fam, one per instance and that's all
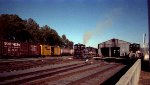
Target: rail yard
(57, 71)
(34, 64)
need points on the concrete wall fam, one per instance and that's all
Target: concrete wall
(131, 77)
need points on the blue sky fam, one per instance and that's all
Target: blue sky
(86, 21)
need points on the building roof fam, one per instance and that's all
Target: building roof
(116, 39)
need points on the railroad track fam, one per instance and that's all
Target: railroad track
(97, 78)
(26, 64)
(72, 74)
(83, 77)
(26, 77)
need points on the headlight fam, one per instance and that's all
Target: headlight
(146, 57)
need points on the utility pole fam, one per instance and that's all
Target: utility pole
(148, 3)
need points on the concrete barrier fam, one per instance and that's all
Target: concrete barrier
(131, 77)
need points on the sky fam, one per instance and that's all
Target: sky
(86, 21)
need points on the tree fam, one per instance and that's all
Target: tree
(64, 37)
(70, 44)
(50, 36)
(66, 42)
(10, 25)
(33, 29)
(23, 35)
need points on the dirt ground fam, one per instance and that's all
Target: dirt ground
(144, 78)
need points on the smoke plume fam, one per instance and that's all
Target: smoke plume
(87, 37)
(96, 31)
(101, 26)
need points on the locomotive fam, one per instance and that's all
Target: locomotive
(83, 52)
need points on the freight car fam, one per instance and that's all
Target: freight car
(13, 49)
(55, 51)
(47, 50)
(67, 52)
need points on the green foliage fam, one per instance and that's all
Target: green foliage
(12, 27)
(66, 42)
(33, 29)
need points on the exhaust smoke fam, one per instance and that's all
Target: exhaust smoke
(103, 25)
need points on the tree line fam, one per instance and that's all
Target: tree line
(12, 27)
